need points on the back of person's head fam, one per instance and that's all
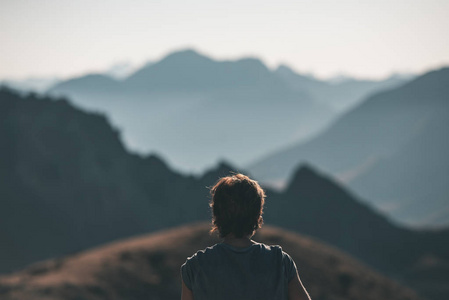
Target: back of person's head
(237, 206)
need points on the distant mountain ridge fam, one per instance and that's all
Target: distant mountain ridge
(186, 98)
(188, 70)
(92, 82)
(403, 127)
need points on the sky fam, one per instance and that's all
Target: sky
(368, 39)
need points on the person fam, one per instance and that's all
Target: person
(238, 267)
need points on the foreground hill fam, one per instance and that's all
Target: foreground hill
(391, 149)
(187, 105)
(147, 267)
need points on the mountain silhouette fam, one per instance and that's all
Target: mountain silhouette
(147, 267)
(67, 183)
(221, 170)
(312, 198)
(186, 99)
(390, 149)
(313, 204)
(188, 70)
(92, 83)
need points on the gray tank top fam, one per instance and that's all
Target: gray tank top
(225, 272)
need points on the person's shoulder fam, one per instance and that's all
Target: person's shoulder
(202, 255)
(275, 250)
(195, 263)
(271, 248)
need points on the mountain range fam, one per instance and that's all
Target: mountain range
(390, 149)
(67, 183)
(184, 107)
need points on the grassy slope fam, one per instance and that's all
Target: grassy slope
(147, 267)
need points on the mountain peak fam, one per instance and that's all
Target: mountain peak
(186, 55)
(223, 169)
(302, 173)
(155, 161)
(283, 68)
(307, 181)
(225, 165)
(301, 81)
(188, 70)
(252, 63)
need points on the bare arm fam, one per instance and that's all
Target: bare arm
(186, 293)
(296, 290)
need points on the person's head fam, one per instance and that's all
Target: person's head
(237, 206)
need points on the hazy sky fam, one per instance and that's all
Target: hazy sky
(357, 37)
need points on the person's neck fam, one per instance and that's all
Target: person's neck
(242, 242)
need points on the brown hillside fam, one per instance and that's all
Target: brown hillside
(147, 267)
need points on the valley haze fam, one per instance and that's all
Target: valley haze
(183, 107)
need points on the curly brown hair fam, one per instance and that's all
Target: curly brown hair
(237, 206)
